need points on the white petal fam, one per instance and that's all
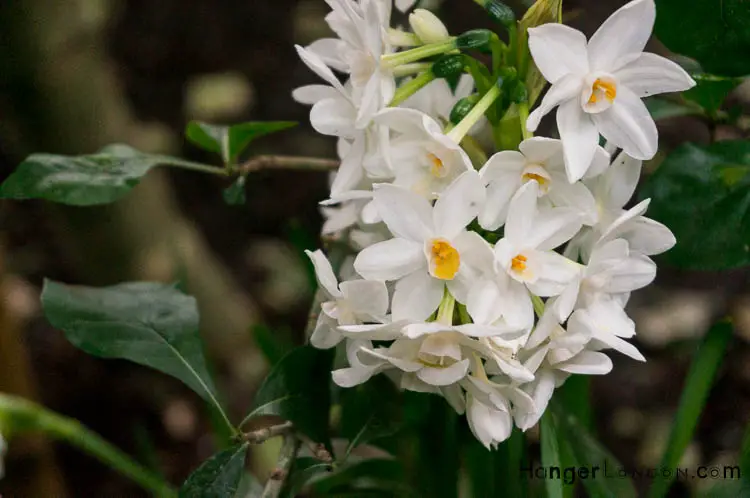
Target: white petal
(539, 149)
(404, 5)
(350, 173)
(554, 272)
(373, 332)
(553, 227)
(617, 186)
(407, 214)
(519, 310)
(587, 363)
(416, 297)
(495, 210)
(577, 196)
(325, 335)
(634, 273)
(600, 163)
(541, 390)
(649, 237)
(503, 331)
(622, 36)
(454, 395)
(334, 117)
(521, 215)
(366, 297)
(314, 62)
(565, 90)
(629, 125)
(324, 272)
(329, 50)
(514, 369)
(312, 94)
(444, 376)
(579, 136)
(458, 205)
(651, 74)
(485, 302)
(410, 122)
(558, 50)
(503, 165)
(390, 260)
(476, 253)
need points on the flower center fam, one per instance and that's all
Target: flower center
(518, 263)
(445, 260)
(603, 88)
(437, 167)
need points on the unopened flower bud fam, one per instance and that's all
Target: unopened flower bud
(428, 27)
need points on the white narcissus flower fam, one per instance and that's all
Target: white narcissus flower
(598, 85)
(525, 260)
(431, 247)
(352, 302)
(612, 190)
(424, 159)
(404, 5)
(437, 99)
(539, 159)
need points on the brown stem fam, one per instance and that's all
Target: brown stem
(259, 163)
(260, 435)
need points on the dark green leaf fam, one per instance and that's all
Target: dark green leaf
(711, 91)
(297, 390)
(98, 178)
(664, 109)
(381, 475)
(370, 411)
(217, 477)
(551, 454)
(712, 32)
(231, 141)
(697, 386)
(588, 452)
(510, 458)
(273, 344)
(148, 323)
(234, 195)
(703, 195)
(249, 487)
(303, 470)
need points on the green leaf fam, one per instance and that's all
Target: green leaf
(297, 390)
(386, 477)
(231, 141)
(272, 343)
(589, 453)
(217, 477)
(303, 470)
(234, 195)
(664, 109)
(711, 91)
(551, 454)
(697, 386)
(703, 195)
(370, 411)
(712, 32)
(150, 324)
(89, 180)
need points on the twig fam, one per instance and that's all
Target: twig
(283, 466)
(260, 435)
(286, 162)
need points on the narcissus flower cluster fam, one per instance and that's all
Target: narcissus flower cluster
(487, 279)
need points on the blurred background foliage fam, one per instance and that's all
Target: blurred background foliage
(76, 75)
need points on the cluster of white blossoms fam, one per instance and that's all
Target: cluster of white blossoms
(486, 281)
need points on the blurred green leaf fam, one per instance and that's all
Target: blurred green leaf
(230, 141)
(551, 454)
(89, 180)
(703, 195)
(369, 411)
(510, 458)
(664, 109)
(589, 452)
(272, 344)
(303, 470)
(711, 91)
(234, 195)
(217, 477)
(150, 324)
(712, 32)
(297, 390)
(694, 395)
(371, 477)
(478, 463)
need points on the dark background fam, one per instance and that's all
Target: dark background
(76, 75)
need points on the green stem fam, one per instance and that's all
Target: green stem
(475, 151)
(20, 414)
(462, 128)
(538, 305)
(523, 114)
(419, 53)
(445, 311)
(409, 69)
(411, 87)
(498, 49)
(192, 166)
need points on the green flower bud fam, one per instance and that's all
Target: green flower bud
(474, 39)
(501, 13)
(461, 109)
(518, 93)
(427, 26)
(448, 66)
